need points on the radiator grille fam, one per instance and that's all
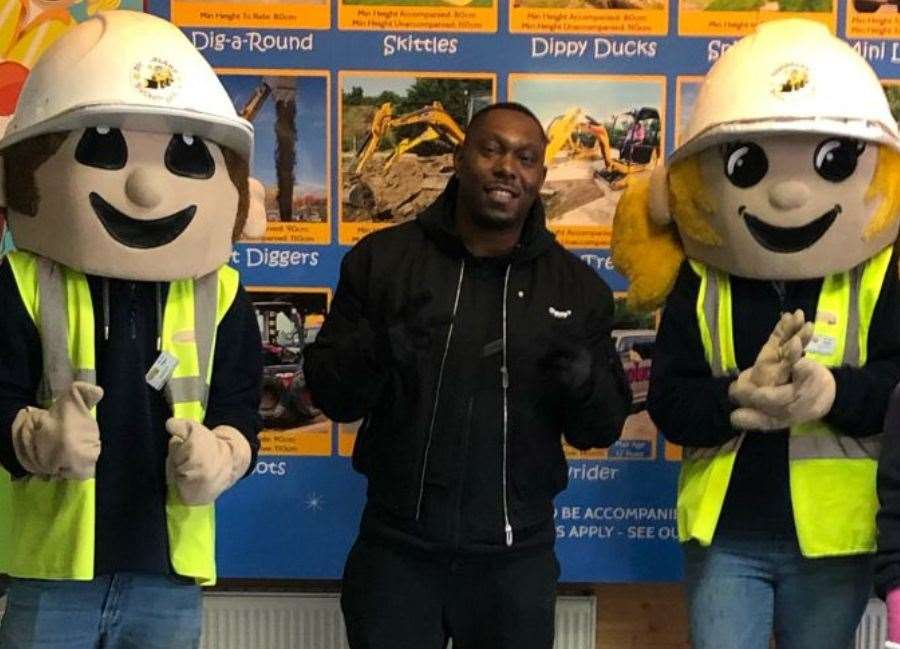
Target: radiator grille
(289, 621)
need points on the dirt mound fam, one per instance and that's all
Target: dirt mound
(411, 184)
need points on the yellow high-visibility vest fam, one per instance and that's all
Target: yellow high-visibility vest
(832, 475)
(51, 523)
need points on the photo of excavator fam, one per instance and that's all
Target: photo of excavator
(287, 323)
(440, 128)
(589, 161)
(635, 147)
(398, 135)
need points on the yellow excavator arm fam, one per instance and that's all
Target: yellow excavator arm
(439, 124)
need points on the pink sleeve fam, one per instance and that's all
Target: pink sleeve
(893, 614)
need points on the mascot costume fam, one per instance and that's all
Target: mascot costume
(130, 361)
(770, 236)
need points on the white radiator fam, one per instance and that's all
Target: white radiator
(291, 621)
(872, 629)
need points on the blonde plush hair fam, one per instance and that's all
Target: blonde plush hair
(650, 254)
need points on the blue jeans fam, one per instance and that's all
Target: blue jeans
(741, 591)
(121, 611)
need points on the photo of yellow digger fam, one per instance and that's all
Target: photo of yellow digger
(632, 147)
(439, 124)
(398, 135)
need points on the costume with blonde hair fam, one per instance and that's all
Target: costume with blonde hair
(769, 239)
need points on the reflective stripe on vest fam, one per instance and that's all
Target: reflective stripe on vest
(54, 519)
(832, 476)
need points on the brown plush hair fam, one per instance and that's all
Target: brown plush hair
(239, 172)
(22, 160)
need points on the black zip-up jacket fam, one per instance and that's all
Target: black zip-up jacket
(692, 407)
(443, 474)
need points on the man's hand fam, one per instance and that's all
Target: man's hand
(203, 463)
(64, 441)
(566, 364)
(809, 396)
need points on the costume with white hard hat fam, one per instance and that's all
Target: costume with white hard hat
(129, 386)
(771, 231)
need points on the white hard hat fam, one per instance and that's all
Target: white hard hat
(131, 70)
(789, 76)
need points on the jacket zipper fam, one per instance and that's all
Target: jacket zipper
(504, 376)
(781, 291)
(437, 389)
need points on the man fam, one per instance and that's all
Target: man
(130, 360)
(470, 342)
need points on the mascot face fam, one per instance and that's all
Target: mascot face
(133, 205)
(791, 206)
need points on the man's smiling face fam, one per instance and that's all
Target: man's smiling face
(132, 205)
(790, 206)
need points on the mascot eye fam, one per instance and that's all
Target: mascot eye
(835, 160)
(745, 164)
(102, 147)
(188, 156)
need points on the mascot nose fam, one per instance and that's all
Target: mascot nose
(788, 195)
(143, 188)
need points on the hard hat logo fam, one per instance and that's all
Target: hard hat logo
(791, 80)
(156, 79)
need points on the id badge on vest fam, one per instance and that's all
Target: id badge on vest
(161, 370)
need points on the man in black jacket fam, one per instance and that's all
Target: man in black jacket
(470, 341)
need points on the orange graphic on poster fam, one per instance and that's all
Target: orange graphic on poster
(740, 17)
(292, 14)
(639, 17)
(874, 19)
(673, 452)
(310, 441)
(347, 438)
(418, 15)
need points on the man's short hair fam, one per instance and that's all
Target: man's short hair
(506, 105)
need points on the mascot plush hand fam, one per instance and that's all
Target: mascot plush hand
(788, 170)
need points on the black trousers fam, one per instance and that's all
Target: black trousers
(397, 598)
